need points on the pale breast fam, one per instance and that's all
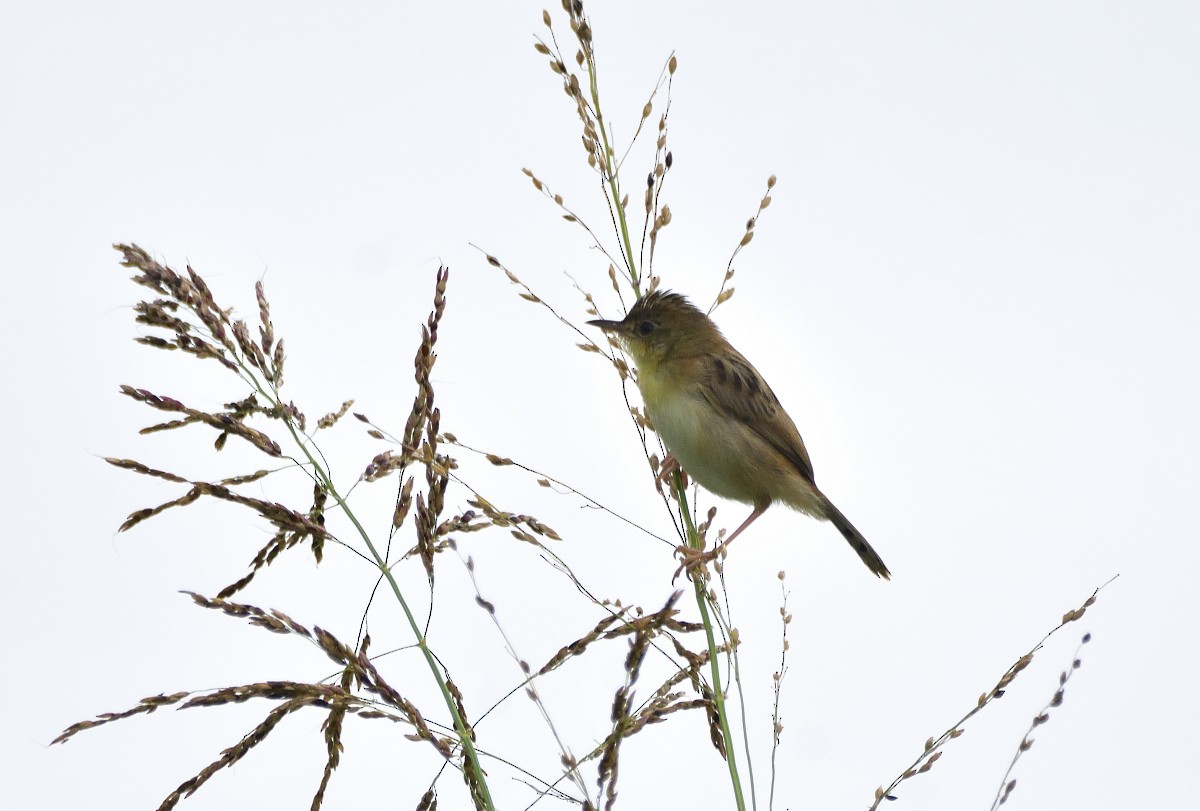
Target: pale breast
(711, 449)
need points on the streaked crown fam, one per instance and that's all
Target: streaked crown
(662, 326)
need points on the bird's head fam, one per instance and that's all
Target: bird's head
(664, 326)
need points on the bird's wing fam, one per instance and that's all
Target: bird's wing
(735, 388)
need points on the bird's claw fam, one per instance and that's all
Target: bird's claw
(694, 561)
(669, 467)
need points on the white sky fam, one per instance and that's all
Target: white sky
(975, 292)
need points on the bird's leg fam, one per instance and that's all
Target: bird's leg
(692, 559)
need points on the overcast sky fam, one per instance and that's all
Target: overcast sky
(975, 291)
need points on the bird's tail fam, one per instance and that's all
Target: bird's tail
(857, 541)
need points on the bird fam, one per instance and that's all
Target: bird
(719, 419)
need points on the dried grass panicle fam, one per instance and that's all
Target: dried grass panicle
(266, 330)
(459, 702)
(691, 672)
(293, 527)
(251, 351)
(403, 504)
(932, 750)
(282, 517)
(599, 151)
(199, 326)
(277, 358)
(385, 464)
(530, 688)
(543, 480)
(193, 295)
(657, 213)
(580, 645)
(725, 292)
(373, 682)
(295, 696)
(716, 735)
(595, 131)
(529, 296)
(138, 467)
(190, 292)
(623, 721)
(777, 678)
(658, 708)
(144, 707)
(663, 619)
(422, 409)
(418, 442)
(356, 661)
(426, 535)
(245, 478)
(213, 334)
(331, 419)
(274, 620)
(279, 543)
(138, 516)
(236, 752)
(224, 423)
(513, 521)
(570, 216)
(316, 517)
(1007, 783)
(153, 315)
(316, 694)
(332, 730)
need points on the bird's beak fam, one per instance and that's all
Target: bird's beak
(608, 326)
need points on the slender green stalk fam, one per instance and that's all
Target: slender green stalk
(470, 754)
(611, 175)
(460, 724)
(700, 588)
(737, 677)
(735, 662)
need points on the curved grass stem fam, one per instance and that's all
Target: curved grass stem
(699, 586)
(470, 754)
(612, 176)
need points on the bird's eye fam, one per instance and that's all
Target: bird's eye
(645, 328)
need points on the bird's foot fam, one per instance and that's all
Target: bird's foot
(670, 466)
(694, 561)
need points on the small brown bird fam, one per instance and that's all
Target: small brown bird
(719, 418)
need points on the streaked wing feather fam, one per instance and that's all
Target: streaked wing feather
(737, 389)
